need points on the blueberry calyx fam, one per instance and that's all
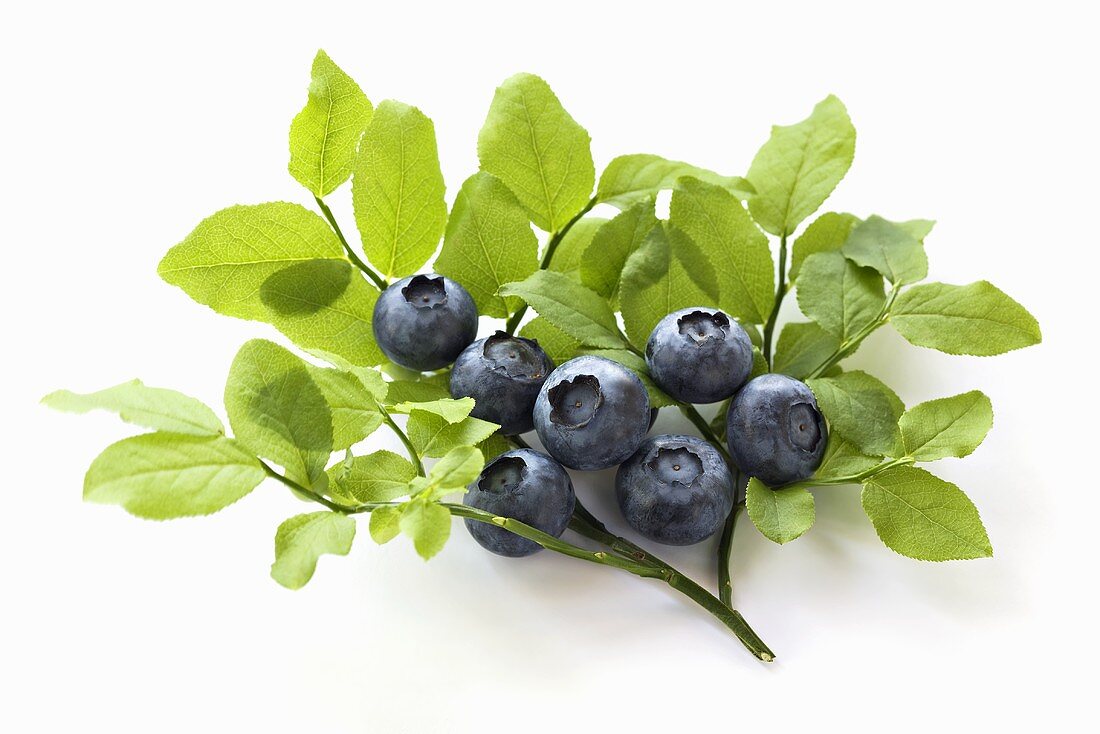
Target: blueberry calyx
(425, 292)
(574, 402)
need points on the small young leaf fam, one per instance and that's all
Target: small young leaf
(888, 248)
(385, 524)
(489, 242)
(842, 459)
(861, 409)
(301, 540)
(354, 408)
(720, 226)
(151, 407)
(780, 514)
(531, 143)
(278, 411)
(921, 516)
(977, 319)
(630, 179)
(802, 348)
(457, 469)
(398, 190)
(571, 251)
(325, 134)
(449, 409)
(800, 165)
(168, 475)
(952, 426)
(378, 477)
(570, 306)
(839, 295)
(433, 436)
(658, 398)
(611, 246)
(558, 345)
(827, 233)
(666, 273)
(428, 524)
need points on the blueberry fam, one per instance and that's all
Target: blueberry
(699, 355)
(675, 490)
(503, 373)
(592, 413)
(775, 431)
(524, 485)
(424, 321)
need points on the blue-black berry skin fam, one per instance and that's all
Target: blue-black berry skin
(503, 374)
(525, 485)
(775, 430)
(699, 355)
(423, 322)
(675, 490)
(592, 413)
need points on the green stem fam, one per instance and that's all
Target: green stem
(708, 433)
(414, 456)
(378, 279)
(850, 345)
(551, 248)
(780, 291)
(864, 475)
(725, 545)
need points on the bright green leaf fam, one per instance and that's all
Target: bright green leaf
(978, 319)
(494, 446)
(800, 165)
(420, 391)
(723, 230)
(137, 403)
(839, 295)
(570, 254)
(630, 179)
(378, 477)
(385, 524)
(611, 246)
(570, 306)
(862, 410)
(668, 272)
(759, 364)
(827, 233)
(325, 134)
(531, 143)
(780, 514)
(888, 248)
(489, 242)
(842, 459)
(450, 409)
(921, 516)
(277, 410)
(558, 345)
(168, 475)
(428, 524)
(301, 540)
(457, 469)
(355, 413)
(952, 426)
(802, 348)
(433, 436)
(398, 190)
(919, 228)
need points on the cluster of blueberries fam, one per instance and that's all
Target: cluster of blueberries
(593, 413)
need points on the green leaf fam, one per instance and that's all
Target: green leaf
(842, 459)
(489, 242)
(861, 409)
(168, 475)
(570, 306)
(630, 179)
(450, 409)
(302, 539)
(571, 250)
(611, 246)
(558, 345)
(802, 348)
(888, 248)
(921, 516)
(720, 226)
(137, 403)
(325, 134)
(494, 446)
(398, 190)
(456, 470)
(281, 264)
(827, 233)
(378, 477)
(800, 165)
(780, 514)
(433, 436)
(385, 524)
(977, 319)
(919, 228)
(952, 426)
(531, 143)
(759, 364)
(839, 295)
(428, 524)
(420, 391)
(354, 408)
(666, 273)
(277, 410)
(658, 398)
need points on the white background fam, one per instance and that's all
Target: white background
(124, 126)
